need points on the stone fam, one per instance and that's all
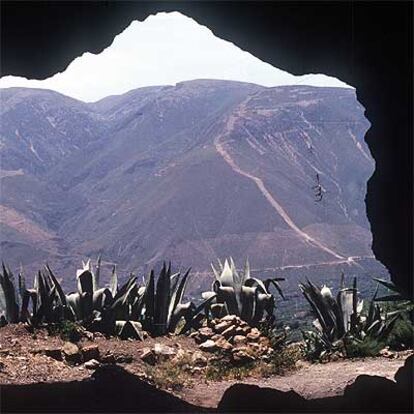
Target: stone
(108, 358)
(90, 352)
(198, 359)
(208, 346)
(242, 357)
(386, 353)
(229, 332)
(164, 352)
(255, 346)
(301, 364)
(215, 337)
(254, 334)
(71, 353)
(222, 326)
(242, 330)
(179, 356)
(54, 353)
(123, 358)
(148, 356)
(197, 338)
(91, 364)
(205, 333)
(224, 344)
(239, 340)
(88, 335)
(230, 318)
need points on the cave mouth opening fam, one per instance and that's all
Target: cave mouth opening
(195, 53)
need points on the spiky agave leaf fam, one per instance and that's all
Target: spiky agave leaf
(57, 286)
(114, 282)
(102, 298)
(249, 298)
(85, 282)
(25, 296)
(196, 314)
(97, 273)
(162, 300)
(175, 301)
(149, 302)
(227, 295)
(275, 282)
(9, 297)
(237, 293)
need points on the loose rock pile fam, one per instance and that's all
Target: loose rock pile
(192, 361)
(88, 355)
(232, 336)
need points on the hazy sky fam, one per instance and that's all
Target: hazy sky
(164, 49)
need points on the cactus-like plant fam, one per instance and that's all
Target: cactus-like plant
(9, 306)
(340, 322)
(163, 307)
(238, 293)
(114, 310)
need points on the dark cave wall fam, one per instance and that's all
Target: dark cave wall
(366, 44)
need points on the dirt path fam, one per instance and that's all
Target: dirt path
(311, 381)
(220, 145)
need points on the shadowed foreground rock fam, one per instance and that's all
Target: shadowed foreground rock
(366, 394)
(112, 389)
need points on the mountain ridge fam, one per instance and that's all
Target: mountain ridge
(149, 179)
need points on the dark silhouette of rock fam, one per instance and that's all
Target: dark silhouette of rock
(251, 398)
(110, 389)
(366, 394)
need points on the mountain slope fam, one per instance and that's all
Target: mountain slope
(188, 173)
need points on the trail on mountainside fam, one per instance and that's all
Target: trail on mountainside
(220, 147)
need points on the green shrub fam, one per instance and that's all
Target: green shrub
(67, 330)
(402, 335)
(368, 347)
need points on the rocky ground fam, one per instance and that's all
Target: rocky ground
(197, 369)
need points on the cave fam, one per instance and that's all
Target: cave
(367, 45)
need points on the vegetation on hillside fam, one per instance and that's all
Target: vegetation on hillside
(344, 325)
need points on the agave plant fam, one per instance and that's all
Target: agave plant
(49, 303)
(398, 297)
(237, 293)
(112, 310)
(163, 307)
(340, 321)
(9, 305)
(44, 303)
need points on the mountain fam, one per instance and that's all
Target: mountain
(186, 173)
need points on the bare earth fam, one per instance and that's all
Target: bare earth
(311, 381)
(20, 364)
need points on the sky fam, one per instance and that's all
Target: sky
(164, 49)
